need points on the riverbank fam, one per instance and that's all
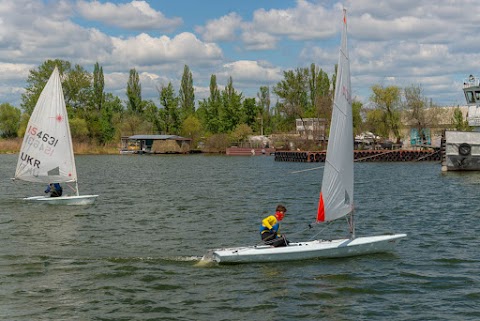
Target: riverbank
(12, 146)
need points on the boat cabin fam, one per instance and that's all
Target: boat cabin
(471, 89)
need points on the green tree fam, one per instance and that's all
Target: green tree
(293, 94)
(357, 117)
(37, 79)
(107, 128)
(210, 108)
(98, 87)
(323, 98)
(134, 93)
(186, 94)
(319, 90)
(9, 120)
(76, 84)
(192, 128)
(280, 123)
(375, 122)
(22, 127)
(251, 113)
(152, 116)
(79, 128)
(86, 101)
(458, 122)
(132, 124)
(77, 87)
(388, 100)
(264, 108)
(232, 107)
(170, 115)
(241, 133)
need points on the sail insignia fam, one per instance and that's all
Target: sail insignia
(55, 171)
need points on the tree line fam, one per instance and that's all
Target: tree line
(99, 117)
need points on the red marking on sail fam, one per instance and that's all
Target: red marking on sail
(344, 19)
(321, 209)
(59, 118)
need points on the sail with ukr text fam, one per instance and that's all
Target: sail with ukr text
(46, 154)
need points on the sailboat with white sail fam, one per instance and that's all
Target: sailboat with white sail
(336, 196)
(46, 155)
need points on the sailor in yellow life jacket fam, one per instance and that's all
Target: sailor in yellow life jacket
(270, 227)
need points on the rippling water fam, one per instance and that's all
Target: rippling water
(134, 255)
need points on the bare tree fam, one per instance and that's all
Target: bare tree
(419, 112)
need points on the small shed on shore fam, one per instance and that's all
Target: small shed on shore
(155, 144)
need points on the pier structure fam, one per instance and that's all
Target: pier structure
(363, 156)
(247, 151)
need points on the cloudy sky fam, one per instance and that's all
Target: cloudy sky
(431, 43)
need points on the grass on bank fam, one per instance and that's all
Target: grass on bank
(12, 146)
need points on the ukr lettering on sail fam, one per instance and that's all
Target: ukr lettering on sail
(30, 160)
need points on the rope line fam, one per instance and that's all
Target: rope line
(375, 155)
(431, 154)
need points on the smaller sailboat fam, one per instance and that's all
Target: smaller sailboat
(336, 196)
(46, 155)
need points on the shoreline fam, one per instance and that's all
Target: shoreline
(12, 146)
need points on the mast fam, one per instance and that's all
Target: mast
(351, 224)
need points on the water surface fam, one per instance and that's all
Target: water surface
(134, 254)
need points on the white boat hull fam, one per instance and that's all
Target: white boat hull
(317, 249)
(64, 200)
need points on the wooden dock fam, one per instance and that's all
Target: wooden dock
(363, 156)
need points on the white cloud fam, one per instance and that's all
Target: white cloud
(391, 42)
(305, 21)
(252, 71)
(136, 15)
(222, 29)
(255, 40)
(49, 34)
(15, 72)
(146, 50)
(373, 29)
(326, 58)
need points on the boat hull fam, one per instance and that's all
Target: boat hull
(317, 249)
(64, 200)
(462, 151)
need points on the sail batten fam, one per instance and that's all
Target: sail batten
(46, 154)
(336, 194)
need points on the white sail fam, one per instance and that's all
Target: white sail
(336, 196)
(46, 154)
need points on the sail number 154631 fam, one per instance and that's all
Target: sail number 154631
(42, 136)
